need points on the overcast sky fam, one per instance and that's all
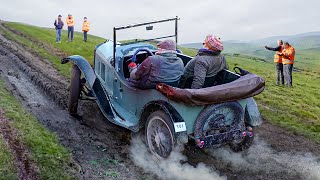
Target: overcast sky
(230, 19)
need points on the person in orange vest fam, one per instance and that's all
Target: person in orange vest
(85, 28)
(278, 61)
(70, 24)
(287, 54)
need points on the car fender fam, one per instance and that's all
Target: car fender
(176, 119)
(84, 67)
(252, 114)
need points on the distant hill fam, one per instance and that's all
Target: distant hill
(307, 47)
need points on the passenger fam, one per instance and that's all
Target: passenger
(207, 63)
(165, 66)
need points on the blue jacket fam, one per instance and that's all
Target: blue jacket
(60, 24)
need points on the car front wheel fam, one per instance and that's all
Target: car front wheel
(74, 90)
(160, 135)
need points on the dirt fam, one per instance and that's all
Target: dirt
(25, 166)
(101, 149)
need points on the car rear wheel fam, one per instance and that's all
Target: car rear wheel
(243, 143)
(74, 90)
(160, 135)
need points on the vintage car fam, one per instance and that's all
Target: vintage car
(223, 112)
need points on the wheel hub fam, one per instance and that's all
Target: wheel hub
(159, 137)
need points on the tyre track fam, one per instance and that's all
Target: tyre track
(27, 169)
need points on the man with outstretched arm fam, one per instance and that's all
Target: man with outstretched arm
(278, 62)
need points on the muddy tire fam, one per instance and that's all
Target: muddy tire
(159, 134)
(217, 118)
(242, 144)
(74, 90)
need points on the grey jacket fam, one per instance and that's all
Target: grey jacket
(206, 63)
(165, 67)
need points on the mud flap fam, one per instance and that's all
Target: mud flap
(252, 114)
(84, 67)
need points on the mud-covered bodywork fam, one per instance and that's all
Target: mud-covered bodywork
(130, 107)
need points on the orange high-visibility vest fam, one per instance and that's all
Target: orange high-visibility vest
(70, 22)
(288, 55)
(86, 26)
(278, 58)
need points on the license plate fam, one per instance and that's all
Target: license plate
(180, 126)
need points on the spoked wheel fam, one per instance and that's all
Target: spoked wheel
(74, 90)
(160, 135)
(218, 119)
(243, 143)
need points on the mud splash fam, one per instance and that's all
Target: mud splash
(175, 167)
(262, 158)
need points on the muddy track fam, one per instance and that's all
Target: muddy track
(100, 148)
(25, 166)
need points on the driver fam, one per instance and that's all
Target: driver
(165, 66)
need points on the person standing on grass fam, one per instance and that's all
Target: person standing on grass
(70, 24)
(58, 23)
(85, 28)
(278, 61)
(287, 54)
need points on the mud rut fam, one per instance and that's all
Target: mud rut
(99, 147)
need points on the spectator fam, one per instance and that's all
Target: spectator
(58, 23)
(70, 24)
(278, 61)
(207, 63)
(85, 28)
(288, 54)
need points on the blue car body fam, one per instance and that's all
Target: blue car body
(128, 106)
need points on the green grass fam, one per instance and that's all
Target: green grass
(297, 109)
(51, 158)
(47, 36)
(7, 168)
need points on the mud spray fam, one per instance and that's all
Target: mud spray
(262, 159)
(171, 168)
(259, 162)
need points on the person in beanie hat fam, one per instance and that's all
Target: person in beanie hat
(207, 63)
(58, 23)
(165, 66)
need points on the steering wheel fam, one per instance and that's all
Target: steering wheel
(134, 56)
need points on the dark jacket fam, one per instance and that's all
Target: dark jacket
(278, 48)
(206, 63)
(165, 67)
(60, 24)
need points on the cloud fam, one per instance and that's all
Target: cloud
(238, 20)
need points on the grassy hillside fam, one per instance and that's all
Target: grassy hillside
(52, 159)
(307, 48)
(297, 108)
(7, 168)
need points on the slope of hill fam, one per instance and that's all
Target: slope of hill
(307, 47)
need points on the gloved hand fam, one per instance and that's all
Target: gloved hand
(132, 66)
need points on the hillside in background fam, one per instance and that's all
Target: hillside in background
(307, 47)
